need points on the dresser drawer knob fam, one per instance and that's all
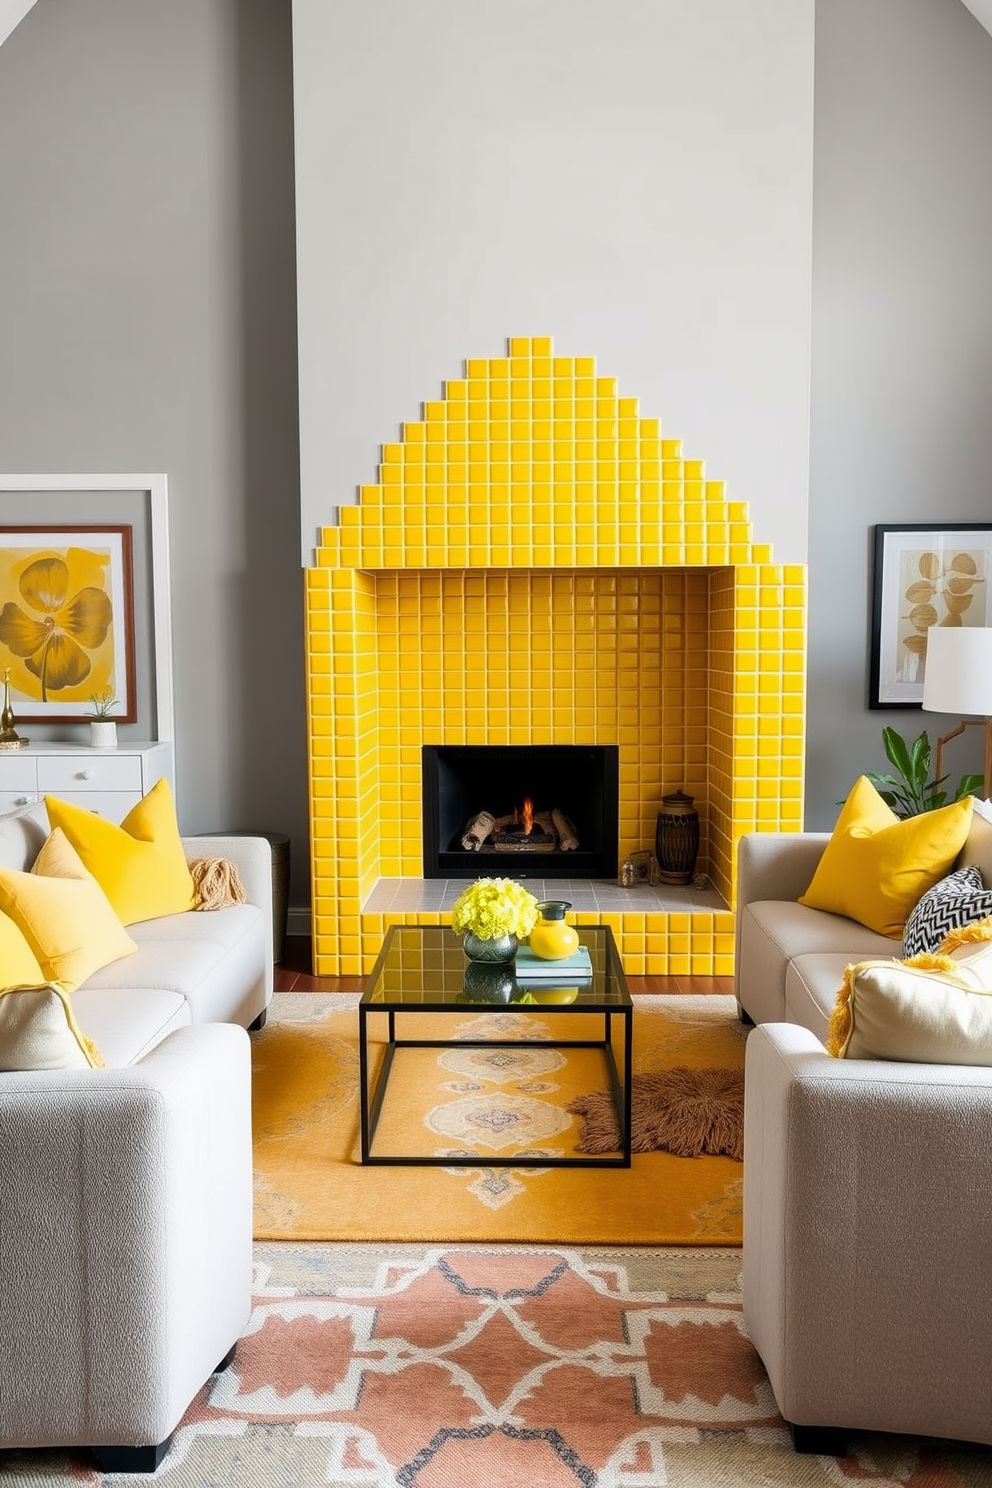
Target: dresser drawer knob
(86, 774)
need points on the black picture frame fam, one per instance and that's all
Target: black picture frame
(923, 574)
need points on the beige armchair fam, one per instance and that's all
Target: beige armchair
(126, 1234)
(868, 1240)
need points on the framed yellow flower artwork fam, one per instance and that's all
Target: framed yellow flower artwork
(67, 621)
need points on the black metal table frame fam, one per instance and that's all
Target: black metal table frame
(371, 1101)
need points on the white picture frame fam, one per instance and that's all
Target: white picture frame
(152, 490)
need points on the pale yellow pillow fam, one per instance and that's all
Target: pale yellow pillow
(38, 1031)
(18, 962)
(66, 918)
(876, 867)
(935, 1008)
(140, 865)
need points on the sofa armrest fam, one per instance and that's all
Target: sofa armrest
(867, 1234)
(777, 865)
(126, 1229)
(251, 856)
(773, 865)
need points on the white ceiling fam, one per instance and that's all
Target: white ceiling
(982, 11)
(12, 12)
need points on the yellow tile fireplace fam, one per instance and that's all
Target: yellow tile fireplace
(538, 566)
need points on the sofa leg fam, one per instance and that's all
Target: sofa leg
(131, 1459)
(744, 1017)
(259, 1021)
(818, 1441)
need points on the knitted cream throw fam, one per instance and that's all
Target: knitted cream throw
(217, 883)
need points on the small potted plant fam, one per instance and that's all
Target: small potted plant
(103, 728)
(911, 791)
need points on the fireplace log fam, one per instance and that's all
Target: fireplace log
(478, 829)
(554, 825)
(567, 840)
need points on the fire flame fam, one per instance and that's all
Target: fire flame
(528, 816)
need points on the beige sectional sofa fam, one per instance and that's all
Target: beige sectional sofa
(867, 1183)
(126, 1218)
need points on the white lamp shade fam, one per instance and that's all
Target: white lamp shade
(958, 676)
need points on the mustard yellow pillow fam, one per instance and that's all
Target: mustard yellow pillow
(876, 867)
(140, 865)
(935, 1008)
(64, 915)
(38, 1031)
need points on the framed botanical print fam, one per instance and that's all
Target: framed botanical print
(67, 621)
(924, 575)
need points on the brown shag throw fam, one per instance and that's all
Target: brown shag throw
(685, 1111)
(217, 883)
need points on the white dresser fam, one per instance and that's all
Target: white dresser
(108, 781)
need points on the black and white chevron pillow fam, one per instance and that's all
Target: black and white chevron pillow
(958, 900)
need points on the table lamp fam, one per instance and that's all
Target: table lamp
(958, 679)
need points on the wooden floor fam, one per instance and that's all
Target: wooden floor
(295, 974)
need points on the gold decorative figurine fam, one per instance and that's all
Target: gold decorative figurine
(9, 738)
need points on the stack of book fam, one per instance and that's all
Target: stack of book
(573, 971)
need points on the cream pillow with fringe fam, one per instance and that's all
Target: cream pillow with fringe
(935, 1008)
(38, 1031)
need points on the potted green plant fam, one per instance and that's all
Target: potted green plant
(103, 728)
(911, 791)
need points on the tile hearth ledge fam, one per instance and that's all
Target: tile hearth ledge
(412, 896)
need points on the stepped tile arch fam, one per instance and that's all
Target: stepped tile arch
(538, 565)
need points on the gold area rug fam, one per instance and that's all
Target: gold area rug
(310, 1184)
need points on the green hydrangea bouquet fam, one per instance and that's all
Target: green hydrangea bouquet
(493, 907)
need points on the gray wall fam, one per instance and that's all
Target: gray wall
(147, 323)
(633, 179)
(901, 426)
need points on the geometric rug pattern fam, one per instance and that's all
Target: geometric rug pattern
(451, 1367)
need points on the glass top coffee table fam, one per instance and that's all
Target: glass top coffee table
(423, 969)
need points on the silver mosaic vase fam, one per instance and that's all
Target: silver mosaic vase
(489, 981)
(501, 948)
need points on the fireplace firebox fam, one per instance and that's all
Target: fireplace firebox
(520, 810)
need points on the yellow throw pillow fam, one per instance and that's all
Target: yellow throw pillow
(38, 1031)
(140, 865)
(64, 915)
(935, 1008)
(876, 867)
(18, 962)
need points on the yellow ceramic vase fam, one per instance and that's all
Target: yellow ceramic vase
(552, 938)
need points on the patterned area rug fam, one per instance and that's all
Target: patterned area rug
(465, 1367)
(491, 1101)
